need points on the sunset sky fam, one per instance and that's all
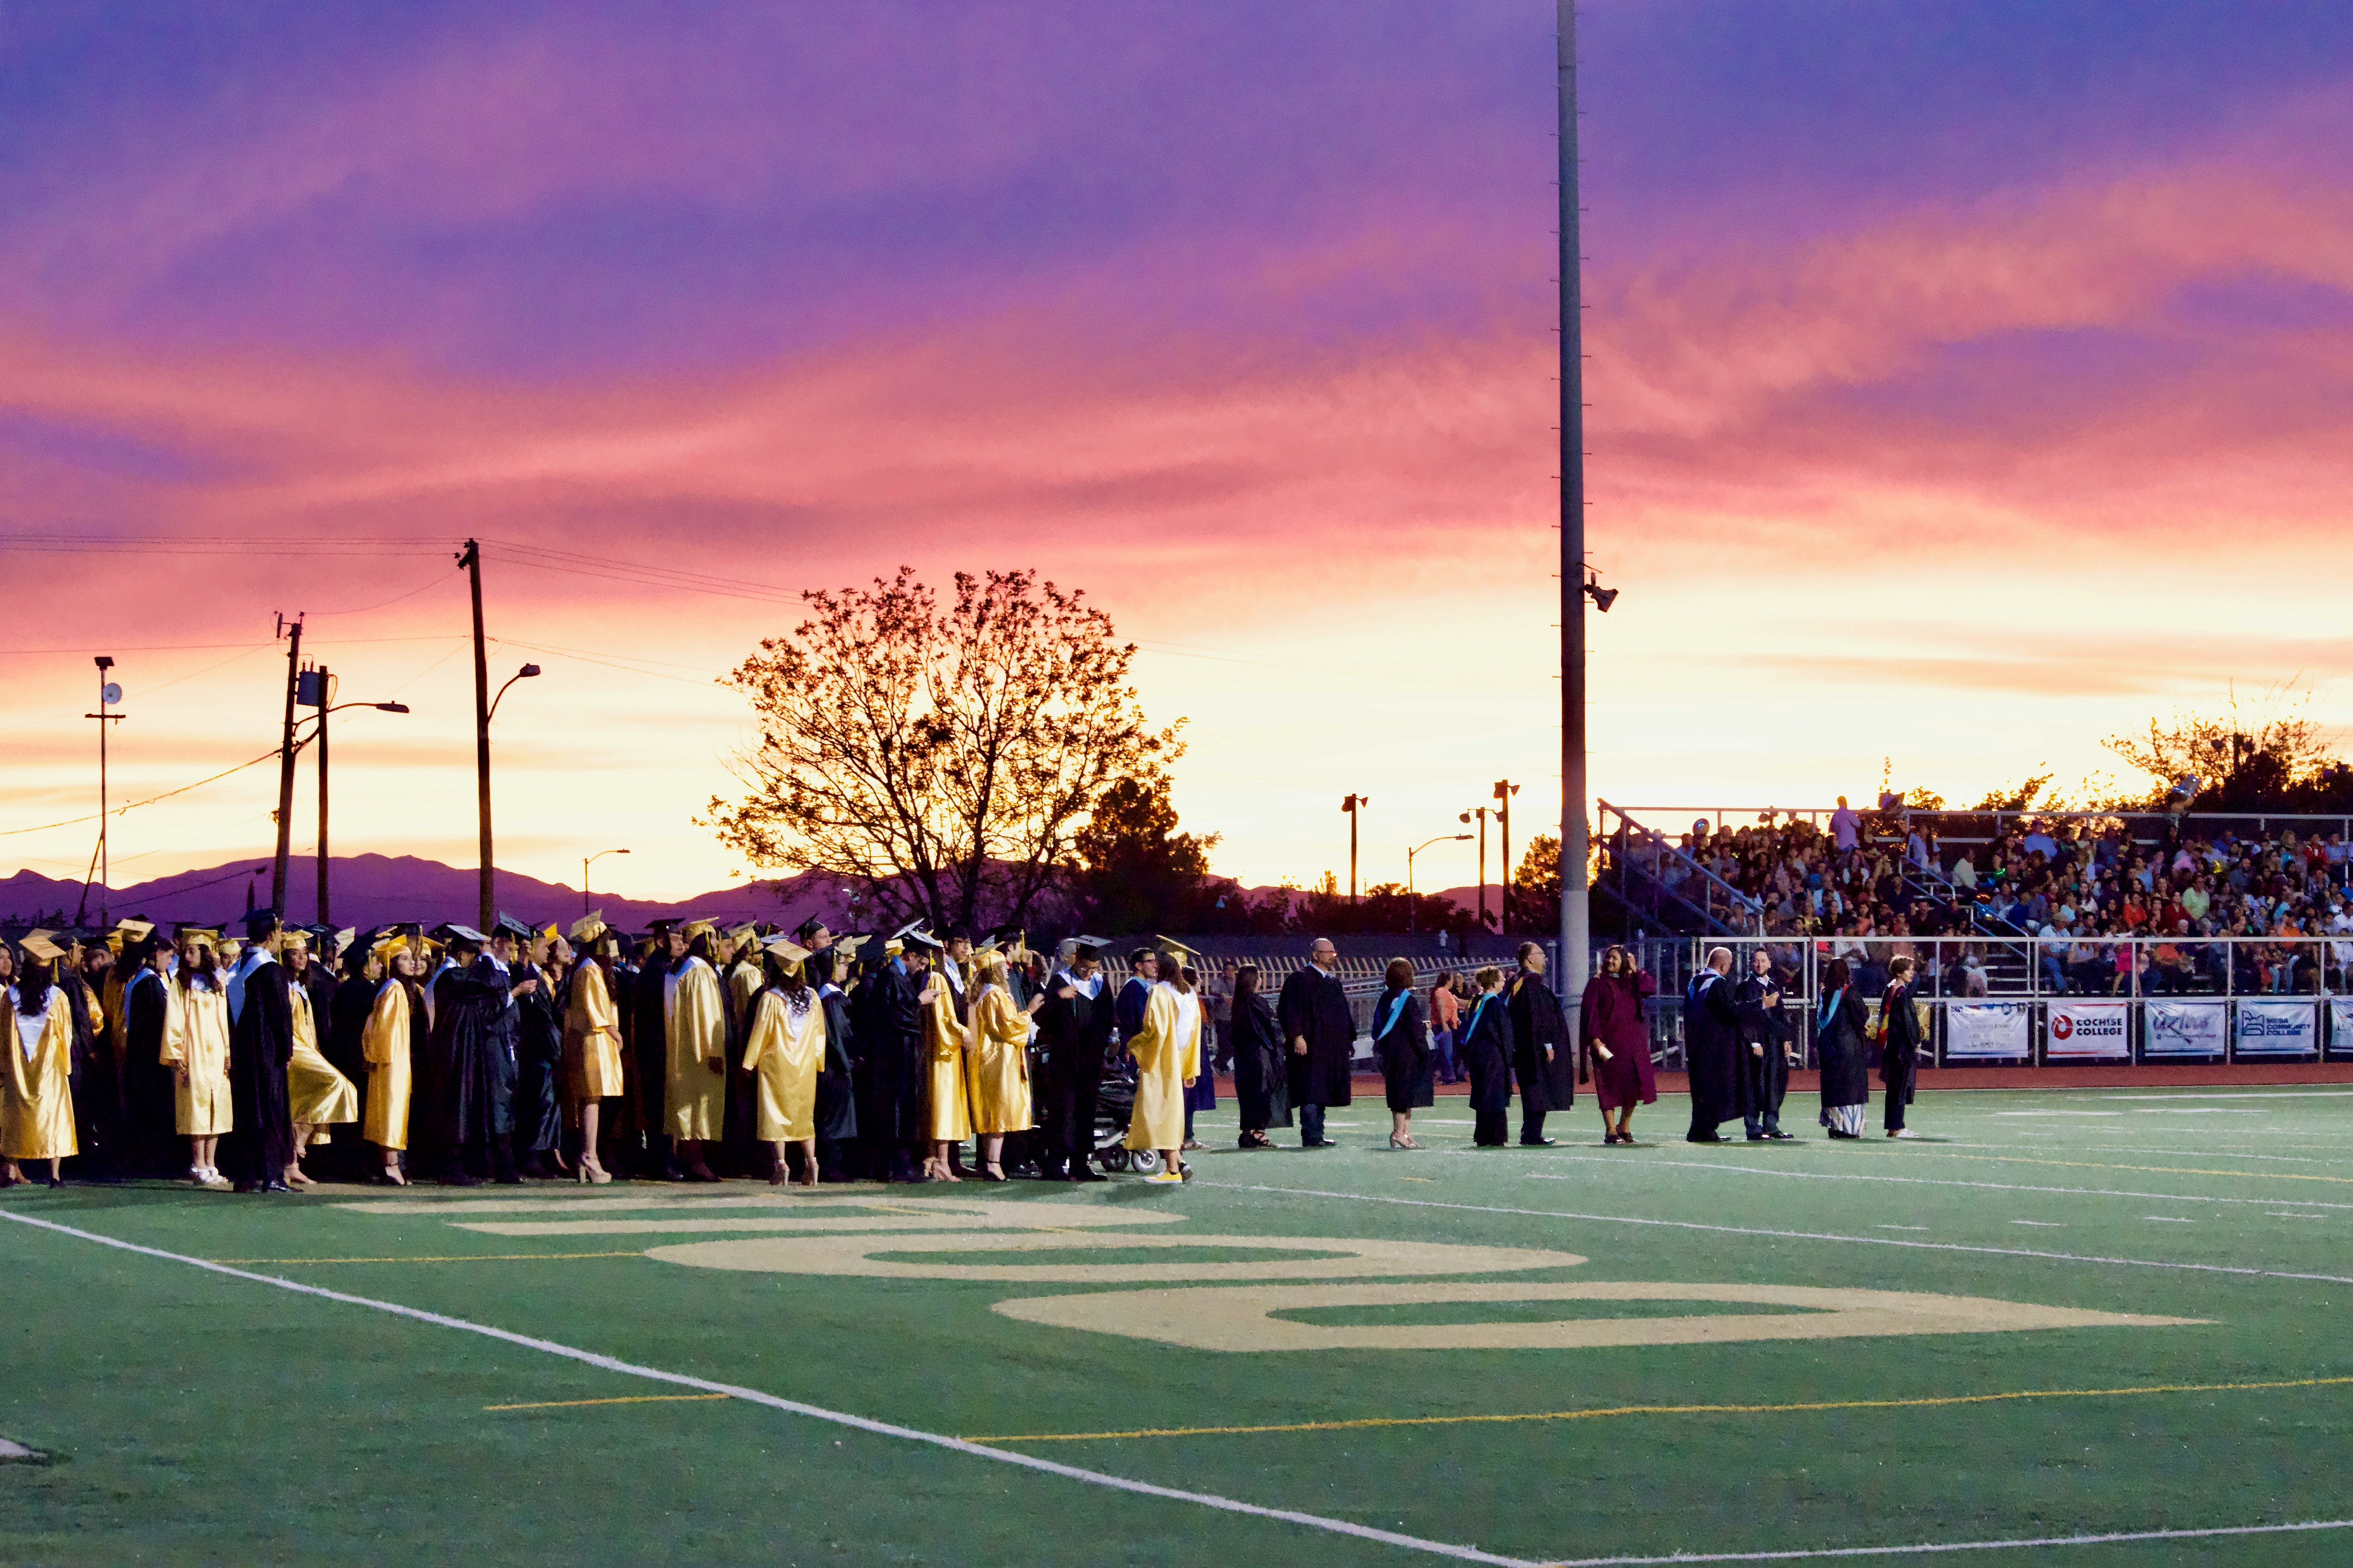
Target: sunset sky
(1968, 381)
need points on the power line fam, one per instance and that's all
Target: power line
(167, 795)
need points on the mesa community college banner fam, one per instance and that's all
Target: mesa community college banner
(2185, 1029)
(1979, 1029)
(2074, 1030)
(2277, 1029)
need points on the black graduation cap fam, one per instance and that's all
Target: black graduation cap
(1091, 946)
(260, 923)
(662, 926)
(807, 928)
(449, 933)
(509, 926)
(913, 934)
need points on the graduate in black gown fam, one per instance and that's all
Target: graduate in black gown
(1320, 1033)
(837, 1086)
(1485, 1049)
(1844, 1052)
(259, 1144)
(1900, 1042)
(539, 1054)
(1261, 1081)
(1541, 1057)
(1764, 1043)
(1074, 1030)
(346, 1014)
(1712, 1048)
(96, 1086)
(152, 1144)
(1401, 1044)
(649, 1056)
(469, 1120)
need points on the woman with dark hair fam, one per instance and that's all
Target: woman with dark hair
(1401, 1044)
(1839, 1045)
(389, 1042)
(1616, 1042)
(695, 1028)
(997, 1064)
(1262, 1079)
(592, 1045)
(1486, 1050)
(784, 1050)
(195, 1046)
(37, 1112)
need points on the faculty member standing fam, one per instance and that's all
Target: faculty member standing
(1712, 1048)
(1313, 1010)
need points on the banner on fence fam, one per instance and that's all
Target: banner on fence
(2277, 1029)
(1982, 1029)
(2080, 1029)
(2340, 1025)
(2185, 1029)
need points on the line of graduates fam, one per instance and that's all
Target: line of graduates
(1741, 1041)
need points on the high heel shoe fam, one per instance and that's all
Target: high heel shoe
(1402, 1142)
(992, 1173)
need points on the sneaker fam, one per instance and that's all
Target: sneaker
(1167, 1178)
(1904, 1132)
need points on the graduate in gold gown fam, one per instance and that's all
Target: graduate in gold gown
(37, 1112)
(784, 1050)
(947, 1105)
(695, 1036)
(389, 1044)
(997, 1061)
(195, 1048)
(317, 1096)
(1167, 1052)
(592, 1039)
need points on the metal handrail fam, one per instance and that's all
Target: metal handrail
(1668, 849)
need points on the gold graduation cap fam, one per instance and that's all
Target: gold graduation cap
(786, 947)
(589, 928)
(748, 932)
(38, 945)
(127, 931)
(203, 936)
(1170, 945)
(693, 929)
(344, 939)
(848, 946)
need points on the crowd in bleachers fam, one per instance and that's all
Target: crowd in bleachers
(1866, 886)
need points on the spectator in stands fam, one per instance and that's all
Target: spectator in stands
(1845, 826)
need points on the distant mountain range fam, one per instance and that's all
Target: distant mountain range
(375, 890)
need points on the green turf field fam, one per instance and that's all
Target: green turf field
(2153, 1336)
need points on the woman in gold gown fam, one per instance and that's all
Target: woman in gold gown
(784, 1050)
(388, 1041)
(947, 1105)
(318, 1096)
(997, 1064)
(195, 1048)
(37, 1117)
(592, 1041)
(1167, 1052)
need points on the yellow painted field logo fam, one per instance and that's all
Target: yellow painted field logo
(1237, 1293)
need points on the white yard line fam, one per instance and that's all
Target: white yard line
(1793, 1235)
(1925, 1182)
(1933, 1548)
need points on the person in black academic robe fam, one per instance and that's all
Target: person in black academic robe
(1899, 1060)
(649, 1053)
(1320, 1033)
(1261, 1080)
(469, 1121)
(1074, 1029)
(837, 1089)
(889, 1072)
(1401, 1046)
(1485, 1048)
(1763, 1050)
(1541, 1060)
(1712, 1048)
(152, 1144)
(538, 1110)
(95, 1085)
(259, 1144)
(1844, 1052)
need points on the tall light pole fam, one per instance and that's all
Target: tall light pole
(1483, 813)
(482, 757)
(1504, 790)
(1353, 804)
(1576, 926)
(108, 694)
(584, 864)
(316, 688)
(292, 631)
(1410, 914)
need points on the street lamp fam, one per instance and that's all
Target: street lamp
(1483, 813)
(316, 688)
(1441, 838)
(591, 860)
(108, 694)
(483, 713)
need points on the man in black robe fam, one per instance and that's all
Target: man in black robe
(649, 1050)
(889, 1031)
(1322, 1034)
(1765, 1051)
(1541, 1060)
(837, 1087)
(539, 1054)
(471, 1117)
(1074, 1031)
(1712, 1048)
(259, 1144)
(152, 1144)
(346, 1013)
(1900, 1039)
(96, 1086)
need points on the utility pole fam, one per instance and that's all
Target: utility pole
(1504, 790)
(108, 694)
(1352, 804)
(1576, 926)
(470, 558)
(1480, 812)
(292, 631)
(317, 689)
